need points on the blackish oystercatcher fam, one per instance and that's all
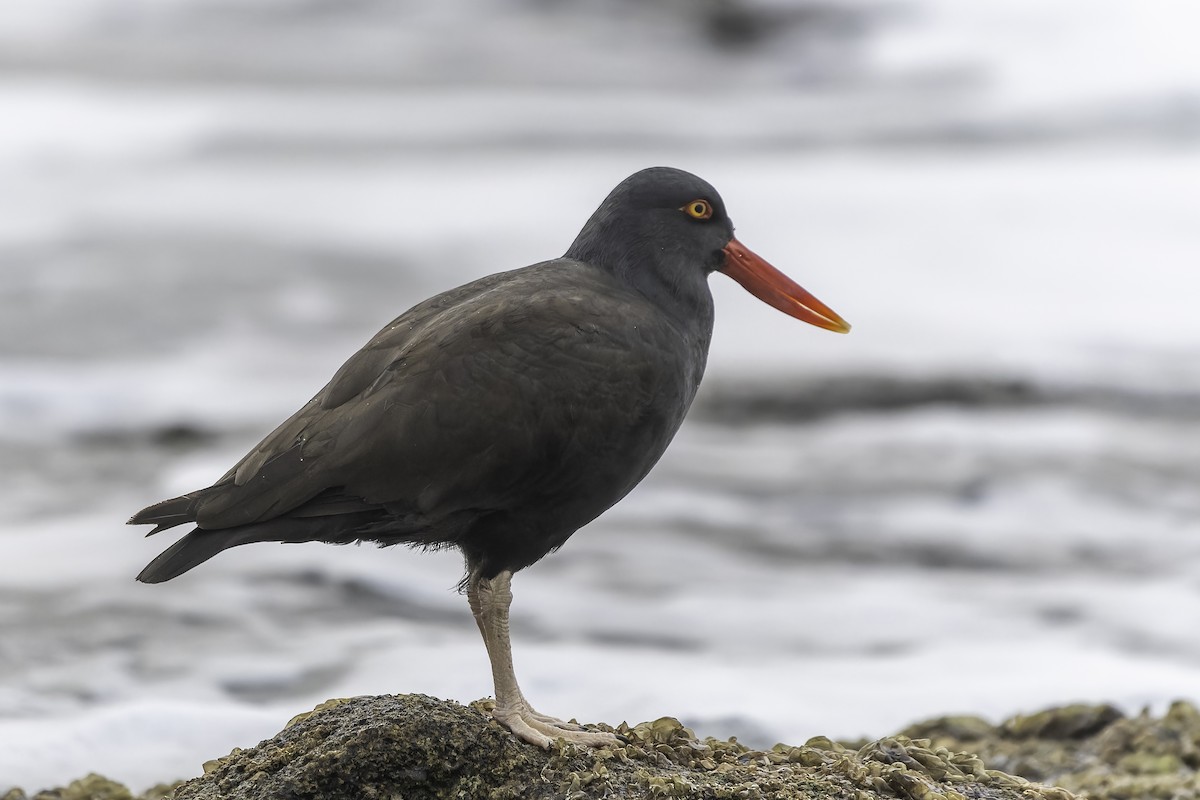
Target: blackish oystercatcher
(501, 416)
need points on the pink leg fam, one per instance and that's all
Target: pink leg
(490, 601)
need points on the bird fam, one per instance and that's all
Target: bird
(501, 416)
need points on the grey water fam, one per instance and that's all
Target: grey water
(982, 500)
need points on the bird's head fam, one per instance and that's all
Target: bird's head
(664, 229)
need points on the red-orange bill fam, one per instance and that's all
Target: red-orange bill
(776, 289)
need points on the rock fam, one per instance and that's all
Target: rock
(92, 787)
(963, 728)
(417, 747)
(1069, 722)
(1092, 750)
(414, 747)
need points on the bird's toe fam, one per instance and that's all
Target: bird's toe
(554, 722)
(522, 729)
(541, 730)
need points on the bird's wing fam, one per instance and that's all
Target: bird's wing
(359, 372)
(463, 401)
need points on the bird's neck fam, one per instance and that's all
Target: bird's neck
(682, 295)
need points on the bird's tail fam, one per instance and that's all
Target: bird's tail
(169, 513)
(200, 544)
(192, 551)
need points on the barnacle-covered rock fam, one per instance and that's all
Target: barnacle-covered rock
(92, 787)
(413, 746)
(1092, 750)
(416, 747)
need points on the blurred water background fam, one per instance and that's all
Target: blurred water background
(985, 499)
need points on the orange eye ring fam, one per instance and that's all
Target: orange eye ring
(698, 209)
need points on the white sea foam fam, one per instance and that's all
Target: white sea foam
(771, 580)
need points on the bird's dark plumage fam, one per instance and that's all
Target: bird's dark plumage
(501, 416)
(498, 417)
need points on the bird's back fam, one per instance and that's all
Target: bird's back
(499, 417)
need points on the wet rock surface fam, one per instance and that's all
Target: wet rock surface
(1095, 751)
(414, 746)
(94, 787)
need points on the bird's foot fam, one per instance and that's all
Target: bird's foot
(542, 730)
(553, 722)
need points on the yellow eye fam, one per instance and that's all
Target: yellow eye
(698, 209)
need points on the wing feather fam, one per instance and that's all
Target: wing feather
(461, 403)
